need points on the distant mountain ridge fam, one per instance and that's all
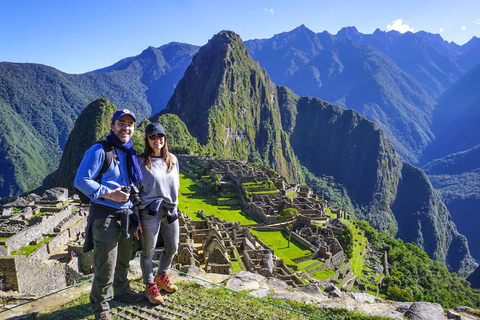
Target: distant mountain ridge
(394, 81)
(234, 110)
(47, 102)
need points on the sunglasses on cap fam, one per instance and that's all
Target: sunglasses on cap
(155, 136)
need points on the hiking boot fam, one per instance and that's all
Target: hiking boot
(163, 282)
(153, 294)
(130, 297)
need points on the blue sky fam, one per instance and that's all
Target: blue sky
(83, 35)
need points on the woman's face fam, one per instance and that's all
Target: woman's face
(156, 142)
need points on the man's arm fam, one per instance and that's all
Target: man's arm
(87, 172)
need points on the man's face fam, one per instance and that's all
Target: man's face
(123, 128)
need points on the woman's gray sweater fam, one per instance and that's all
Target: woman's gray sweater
(157, 184)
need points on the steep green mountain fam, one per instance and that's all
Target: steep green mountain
(25, 158)
(48, 101)
(456, 118)
(234, 110)
(230, 105)
(92, 125)
(457, 179)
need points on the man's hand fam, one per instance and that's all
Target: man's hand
(138, 232)
(117, 195)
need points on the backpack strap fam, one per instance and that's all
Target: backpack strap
(108, 158)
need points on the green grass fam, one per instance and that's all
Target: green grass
(360, 242)
(305, 264)
(323, 274)
(292, 194)
(192, 199)
(278, 242)
(240, 265)
(236, 267)
(268, 191)
(26, 250)
(194, 301)
(330, 214)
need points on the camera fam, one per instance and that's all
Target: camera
(134, 197)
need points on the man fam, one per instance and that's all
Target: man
(110, 212)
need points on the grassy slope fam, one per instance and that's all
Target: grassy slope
(192, 199)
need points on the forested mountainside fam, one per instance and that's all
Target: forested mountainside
(457, 179)
(456, 118)
(230, 105)
(41, 105)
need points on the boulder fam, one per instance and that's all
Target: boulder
(425, 311)
(277, 284)
(262, 293)
(362, 297)
(463, 309)
(404, 306)
(34, 197)
(245, 280)
(193, 270)
(453, 315)
(56, 194)
(17, 203)
(310, 289)
(333, 291)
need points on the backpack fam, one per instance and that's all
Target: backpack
(106, 164)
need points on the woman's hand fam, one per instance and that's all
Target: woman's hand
(138, 232)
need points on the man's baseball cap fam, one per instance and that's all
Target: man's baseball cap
(122, 112)
(154, 128)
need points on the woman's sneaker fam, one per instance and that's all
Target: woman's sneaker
(153, 294)
(163, 282)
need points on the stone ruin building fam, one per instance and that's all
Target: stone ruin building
(321, 241)
(212, 244)
(45, 225)
(266, 203)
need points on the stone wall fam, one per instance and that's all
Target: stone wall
(47, 225)
(38, 277)
(27, 275)
(7, 268)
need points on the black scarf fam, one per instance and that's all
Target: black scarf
(133, 168)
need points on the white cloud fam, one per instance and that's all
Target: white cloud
(464, 28)
(399, 26)
(477, 21)
(271, 11)
(441, 30)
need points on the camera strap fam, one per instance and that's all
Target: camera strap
(117, 161)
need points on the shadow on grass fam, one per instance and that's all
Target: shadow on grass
(82, 310)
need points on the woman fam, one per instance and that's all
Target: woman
(158, 210)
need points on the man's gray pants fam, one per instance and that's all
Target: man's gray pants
(112, 255)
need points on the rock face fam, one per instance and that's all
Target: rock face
(234, 110)
(425, 311)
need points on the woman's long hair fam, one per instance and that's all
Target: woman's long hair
(148, 153)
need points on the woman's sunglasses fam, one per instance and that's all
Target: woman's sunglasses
(156, 136)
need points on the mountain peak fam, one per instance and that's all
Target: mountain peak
(349, 33)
